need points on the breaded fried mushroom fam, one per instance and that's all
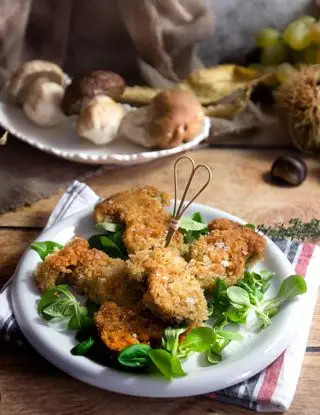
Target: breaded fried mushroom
(120, 327)
(170, 291)
(256, 243)
(175, 297)
(90, 272)
(141, 264)
(143, 214)
(217, 255)
(102, 279)
(224, 253)
(59, 264)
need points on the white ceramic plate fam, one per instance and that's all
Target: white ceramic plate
(242, 359)
(63, 141)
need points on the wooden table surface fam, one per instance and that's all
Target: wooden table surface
(31, 386)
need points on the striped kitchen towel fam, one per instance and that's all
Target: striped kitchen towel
(270, 390)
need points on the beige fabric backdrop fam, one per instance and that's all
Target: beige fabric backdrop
(149, 41)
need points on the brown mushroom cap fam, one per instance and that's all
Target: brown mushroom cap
(176, 117)
(86, 87)
(27, 73)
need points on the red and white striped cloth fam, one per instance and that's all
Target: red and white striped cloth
(272, 389)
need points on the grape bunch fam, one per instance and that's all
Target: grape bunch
(299, 43)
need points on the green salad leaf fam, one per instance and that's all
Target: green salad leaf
(110, 243)
(165, 360)
(82, 348)
(169, 366)
(290, 288)
(198, 339)
(45, 248)
(249, 295)
(189, 224)
(162, 360)
(193, 227)
(170, 340)
(59, 302)
(213, 357)
(229, 335)
(135, 355)
(250, 226)
(168, 363)
(238, 296)
(256, 283)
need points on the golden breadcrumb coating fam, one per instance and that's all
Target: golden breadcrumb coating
(175, 297)
(102, 279)
(143, 213)
(141, 264)
(256, 243)
(90, 272)
(120, 327)
(56, 266)
(170, 292)
(224, 253)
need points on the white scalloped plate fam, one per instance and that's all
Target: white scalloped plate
(242, 359)
(62, 140)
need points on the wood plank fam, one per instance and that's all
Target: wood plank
(314, 336)
(31, 386)
(13, 243)
(238, 186)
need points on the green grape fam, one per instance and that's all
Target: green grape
(267, 37)
(307, 19)
(274, 55)
(310, 55)
(315, 33)
(297, 35)
(284, 71)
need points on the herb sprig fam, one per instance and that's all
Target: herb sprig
(296, 230)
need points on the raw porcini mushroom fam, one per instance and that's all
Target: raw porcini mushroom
(99, 120)
(39, 87)
(43, 101)
(82, 89)
(29, 72)
(173, 117)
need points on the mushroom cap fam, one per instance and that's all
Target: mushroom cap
(99, 120)
(86, 87)
(176, 117)
(173, 117)
(28, 72)
(42, 104)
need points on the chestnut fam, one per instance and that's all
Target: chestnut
(289, 170)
